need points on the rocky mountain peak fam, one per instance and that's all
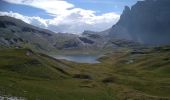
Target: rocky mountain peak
(147, 22)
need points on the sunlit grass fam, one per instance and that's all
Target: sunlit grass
(37, 76)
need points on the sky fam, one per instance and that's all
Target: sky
(66, 16)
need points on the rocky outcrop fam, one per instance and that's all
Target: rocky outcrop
(147, 22)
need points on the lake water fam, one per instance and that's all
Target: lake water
(92, 59)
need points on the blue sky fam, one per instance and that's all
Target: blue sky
(103, 6)
(66, 15)
(22, 9)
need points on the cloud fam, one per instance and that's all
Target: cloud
(67, 17)
(55, 7)
(37, 21)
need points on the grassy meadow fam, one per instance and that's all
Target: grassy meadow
(130, 75)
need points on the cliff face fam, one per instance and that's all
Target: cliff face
(146, 22)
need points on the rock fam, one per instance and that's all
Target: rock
(82, 76)
(109, 80)
(147, 22)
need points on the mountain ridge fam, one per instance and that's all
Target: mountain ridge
(146, 22)
(16, 33)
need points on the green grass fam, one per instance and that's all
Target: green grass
(38, 76)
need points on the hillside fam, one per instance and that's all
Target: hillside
(141, 75)
(16, 33)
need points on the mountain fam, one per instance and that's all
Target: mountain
(16, 33)
(126, 73)
(147, 22)
(106, 41)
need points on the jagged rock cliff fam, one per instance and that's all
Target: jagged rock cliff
(147, 22)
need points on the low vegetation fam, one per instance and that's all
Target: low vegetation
(128, 75)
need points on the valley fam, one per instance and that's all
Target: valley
(119, 76)
(128, 61)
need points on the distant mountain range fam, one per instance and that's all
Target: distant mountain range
(147, 22)
(16, 33)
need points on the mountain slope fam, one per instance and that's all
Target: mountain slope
(26, 62)
(16, 33)
(147, 22)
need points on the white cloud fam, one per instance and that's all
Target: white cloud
(15, 15)
(37, 21)
(67, 18)
(55, 7)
